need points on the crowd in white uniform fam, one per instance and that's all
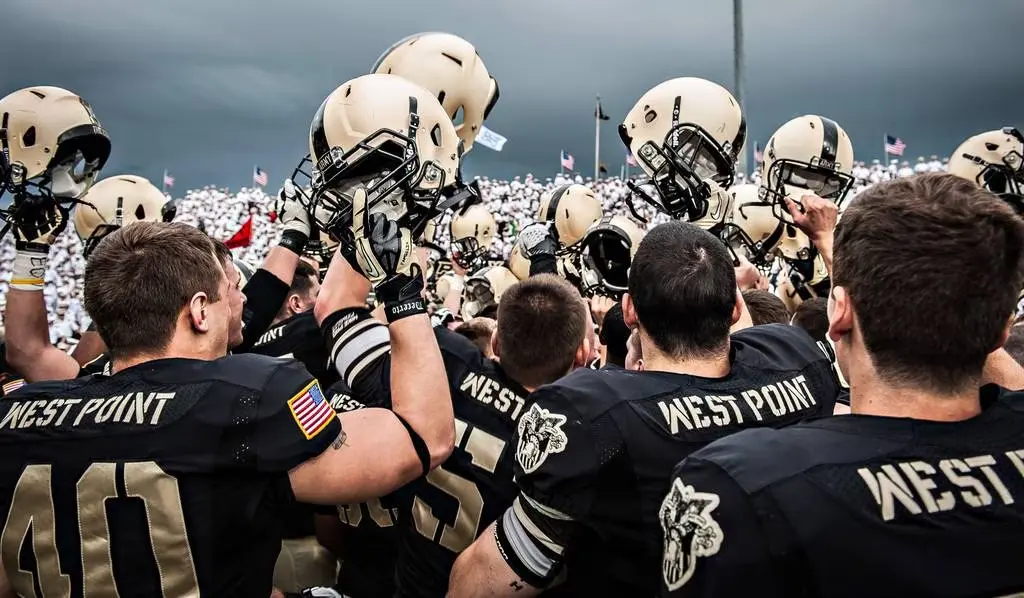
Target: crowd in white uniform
(221, 213)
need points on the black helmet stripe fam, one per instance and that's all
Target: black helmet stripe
(556, 196)
(829, 141)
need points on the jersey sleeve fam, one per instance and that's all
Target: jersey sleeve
(713, 541)
(264, 296)
(360, 348)
(295, 421)
(556, 469)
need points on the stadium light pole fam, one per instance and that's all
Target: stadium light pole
(737, 65)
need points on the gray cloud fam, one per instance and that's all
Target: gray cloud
(208, 88)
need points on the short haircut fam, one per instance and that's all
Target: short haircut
(683, 285)
(302, 282)
(812, 316)
(140, 277)
(479, 331)
(932, 266)
(222, 252)
(1015, 343)
(765, 307)
(614, 334)
(541, 323)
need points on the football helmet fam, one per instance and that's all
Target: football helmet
(390, 137)
(995, 161)
(472, 232)
(607, 253)
(114, 202)
(51, 145)
(682, 133)
(751, 227)
(450, 68)
(245, 271)
(485, 289)
(573, 209)
(809, 154)
(518, 263)
(800, 280)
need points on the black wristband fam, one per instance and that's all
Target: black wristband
(417, 443)
(294, 241)
(403, 309)
(543, 263)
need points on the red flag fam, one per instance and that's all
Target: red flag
(273, 216)
(243, 237)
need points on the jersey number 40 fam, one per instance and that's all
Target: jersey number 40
(32, 513)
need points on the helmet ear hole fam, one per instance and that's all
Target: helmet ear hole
(140, 213)
(650, 116)
(29, 138)
(459, 116)
(435, 135)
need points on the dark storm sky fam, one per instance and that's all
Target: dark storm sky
(207, 88)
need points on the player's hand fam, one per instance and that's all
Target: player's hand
(385, 254)
(537, 239)
(815, 216)
(290, 211)
(459, 270)
(748, 276)
(39, 224)
(599, 306)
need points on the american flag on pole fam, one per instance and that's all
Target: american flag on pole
(894, 145)
(630, 160)
(567, 160)
(259, 176)
(758, 154)
(168, 180)
(311, 410)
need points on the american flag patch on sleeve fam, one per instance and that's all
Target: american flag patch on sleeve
(12, 386)
(311, 410)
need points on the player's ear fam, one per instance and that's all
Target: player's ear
(495, 347)
(628, 311)
(582, 358)
(198, 312)
(295, 303)
(840, 313)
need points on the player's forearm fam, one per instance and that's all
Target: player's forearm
(824, 245)
(419, 385)
(453, 300)
(480, 571)
(88, 348)
(343, 287)
(281, 262)
(27, 336)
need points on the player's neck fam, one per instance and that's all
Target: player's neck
(175, 350)
(870, 395)
(705, 367)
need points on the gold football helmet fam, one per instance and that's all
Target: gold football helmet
(472, 232)
(683, 132)
(809, 154)
(114, 202)
(450, 68)
(752, 227)
(995, 161)
(390, 137)
(573, 209)
(484, 289)
(608, 250)
(51, 144)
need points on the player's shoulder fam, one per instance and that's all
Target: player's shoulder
(592, 393)
(302, 323)
(453, 344)
(776, 346)
(245, 370)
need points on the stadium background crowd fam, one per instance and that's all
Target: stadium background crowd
(221, 212)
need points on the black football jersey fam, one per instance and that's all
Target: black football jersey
(167, 478)
(852, 505)
(370, 530)
(455, 502)
(597, 448)
(299, 337)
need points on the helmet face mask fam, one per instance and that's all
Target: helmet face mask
(994, 160)
(606, 254)
(792, 178)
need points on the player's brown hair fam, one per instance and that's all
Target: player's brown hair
(812, 316)
(932, 265)
(765, 307)
(139, 278)
(541, 323)
(479, 331)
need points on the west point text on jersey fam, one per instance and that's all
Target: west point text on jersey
(766, 403)
(138, 408)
